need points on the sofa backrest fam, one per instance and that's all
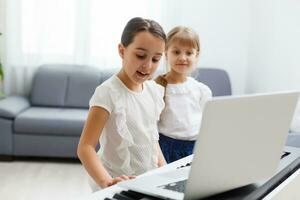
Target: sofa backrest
(66, 85)
(216, 79)
(73, 85)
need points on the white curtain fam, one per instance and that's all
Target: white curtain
(66, 31)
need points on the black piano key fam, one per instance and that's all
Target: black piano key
(122, 197)
(132, 194)
(150, 198)
(285, 154)
(144, 196)
(187, 164)
(139, 196)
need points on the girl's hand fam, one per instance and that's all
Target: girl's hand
(113, 181)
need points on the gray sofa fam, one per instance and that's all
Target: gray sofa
(49, 122)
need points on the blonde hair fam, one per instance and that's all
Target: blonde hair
(185, 36)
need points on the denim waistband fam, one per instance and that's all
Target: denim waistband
(175, 141)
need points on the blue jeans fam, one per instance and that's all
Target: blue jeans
(174, 149)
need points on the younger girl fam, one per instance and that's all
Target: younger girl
(124, 110)
(184, 96)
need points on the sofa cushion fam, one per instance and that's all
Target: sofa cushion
(49, 86)
(51, 121)
(81, 86)
(65, 85)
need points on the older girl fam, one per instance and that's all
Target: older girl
(124, 110)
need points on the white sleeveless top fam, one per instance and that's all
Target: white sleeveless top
(128, 142)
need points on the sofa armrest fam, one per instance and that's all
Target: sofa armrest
(10, 107)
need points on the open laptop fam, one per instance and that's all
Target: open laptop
(240, 142)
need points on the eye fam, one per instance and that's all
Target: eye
(155, 60)
(176, 52)
(141, 56)
(189, 53)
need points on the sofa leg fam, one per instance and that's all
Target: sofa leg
(6, 158)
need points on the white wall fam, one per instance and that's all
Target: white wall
(274, 46)
(223, 27)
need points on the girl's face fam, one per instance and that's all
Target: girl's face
(140, 58)
(181, 58)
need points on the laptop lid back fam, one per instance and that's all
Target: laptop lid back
(240, 141)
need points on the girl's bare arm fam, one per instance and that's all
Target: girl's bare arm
(161, 159)
(94, 124)
(93, 127)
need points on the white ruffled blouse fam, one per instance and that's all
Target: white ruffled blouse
(128, 142)
(182, 115)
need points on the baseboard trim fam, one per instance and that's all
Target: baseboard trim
(6, 158)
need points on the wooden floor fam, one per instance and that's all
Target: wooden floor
(47, 180)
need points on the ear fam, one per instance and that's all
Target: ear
(121, 50)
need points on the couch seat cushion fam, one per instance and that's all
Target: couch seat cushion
(51, 121)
